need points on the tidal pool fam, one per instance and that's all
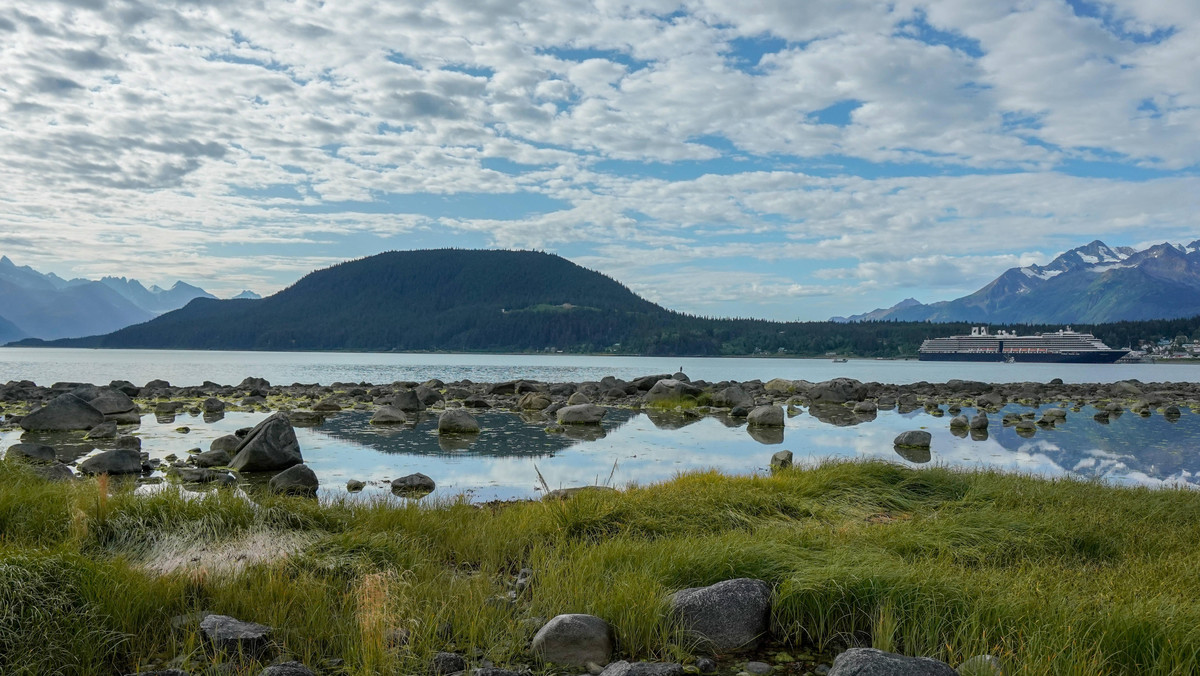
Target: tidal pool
(641, 447)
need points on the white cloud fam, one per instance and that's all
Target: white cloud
(152, 138)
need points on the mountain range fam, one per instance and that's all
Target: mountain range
(1091, 284)
(44, 305)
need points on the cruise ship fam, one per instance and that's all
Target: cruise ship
(1061, 347)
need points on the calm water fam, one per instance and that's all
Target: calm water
(184, 367)
(640, 447)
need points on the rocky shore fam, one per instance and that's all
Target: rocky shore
(65, 421)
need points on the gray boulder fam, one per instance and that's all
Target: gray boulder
(766, 416)
(119, 461)
(196, 475)
(105, 430)
(959, 422)
(228, 443)
(872, 662)
(781, 460)
(292, 668)
(408, 401)
(295, 480)
(110, 401)
(624, 668)
(389, 415)
(581, 414)
(212, 405)
(725, 616)
(534, 401)
(225, 634)
(130, 442)
(457, 421)
(979, 421)
(733, 396)
(837, 391)
(54, 472)
(270, 447)
(413, 484)
(31, 452)
(574, 640)
(217, 458)
(444, 664)
(65, 412)
(913, 439)
(671, 388)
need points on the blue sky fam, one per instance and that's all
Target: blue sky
(731, 158)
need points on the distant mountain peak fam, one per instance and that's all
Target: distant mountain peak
(247, 294)
(1093, 283)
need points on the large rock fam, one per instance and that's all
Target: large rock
(581, 414)
(574, 640)
(217, 458)
(979, 421)
(413, 484)
(624, 668)
(270, 447)
(389, 415)
(119, 461)
(837, 391)
(733, 396)
(110, 401)
(295, 480)
(766, 416)
(292, 668)
(872, 662)
(725, 616)
(913, 439)
(408, 401)
(31, 453)
(233, 637)
(669, 389)
(457, 421)
(65, 412)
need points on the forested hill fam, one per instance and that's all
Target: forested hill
(516, 301)
(447, 299)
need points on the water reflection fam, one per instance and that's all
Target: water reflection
(504, 460)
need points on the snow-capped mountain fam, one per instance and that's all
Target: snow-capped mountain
(1093, 283)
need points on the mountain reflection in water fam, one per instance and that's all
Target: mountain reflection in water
(504, 460)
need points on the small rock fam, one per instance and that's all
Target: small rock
(913, 439)
(129, 442)
(781, 460)
(457, 421)
(389, 415)
(581, 414)
(31, 453)
(413, 484)
(354, 486)
(106, 430)
(624, 668)
(759, 668)
(766, 416)
(725, 616)
(119, 461)
(233, 637)
(216, 458)
(295, 480)
(706, 665)
(574, 640)
(445, 663)
(872, 662)
(292, 668)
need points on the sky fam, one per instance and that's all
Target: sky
(784, 159)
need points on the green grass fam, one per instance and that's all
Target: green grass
(1054, 577)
